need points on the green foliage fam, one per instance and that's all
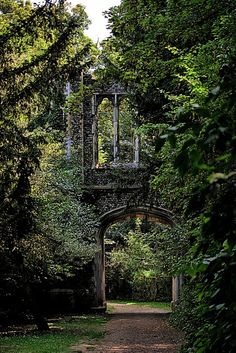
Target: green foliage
(105, 131)
(184, 316)
(177, 59)
(68, 225)
(42, 47)
(65, 333)
(37, 46)
(134, 270)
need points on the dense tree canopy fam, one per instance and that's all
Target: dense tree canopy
(42, 47)
(176, 58)
(177, 61)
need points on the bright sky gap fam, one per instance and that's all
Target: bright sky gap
(97, 31)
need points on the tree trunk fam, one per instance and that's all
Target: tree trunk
(40, 321)
(35, 310)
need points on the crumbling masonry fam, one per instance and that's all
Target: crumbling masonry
(119, 190)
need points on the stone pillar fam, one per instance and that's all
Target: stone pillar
(85, 130)
(136, 150)
(69, 136)
(115, 129)
(68, 92)
(177, 284)
(94, 131)
(99, 276)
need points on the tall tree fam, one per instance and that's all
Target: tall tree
(42, 47)
(177, 60)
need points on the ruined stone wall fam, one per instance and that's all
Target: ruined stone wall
(114, 186)
(110, 186)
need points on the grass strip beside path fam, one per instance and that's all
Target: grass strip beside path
(157, 305)
(63, 334)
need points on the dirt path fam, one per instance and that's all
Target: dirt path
(135, 329)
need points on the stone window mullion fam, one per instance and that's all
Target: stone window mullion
(115, 129)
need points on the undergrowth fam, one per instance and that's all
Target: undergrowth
(62, 335)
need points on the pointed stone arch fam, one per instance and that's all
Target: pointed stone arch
(150, 213)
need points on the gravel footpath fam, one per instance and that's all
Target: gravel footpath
(138, 329)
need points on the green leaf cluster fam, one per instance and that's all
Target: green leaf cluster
(135, 266)
(42, 47)
(177, 59)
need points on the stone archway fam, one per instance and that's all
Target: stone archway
(151, 214)
(125, 186)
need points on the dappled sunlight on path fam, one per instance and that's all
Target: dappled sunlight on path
(162, 348)
(134, 329)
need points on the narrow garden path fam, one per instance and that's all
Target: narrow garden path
(138, 329)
